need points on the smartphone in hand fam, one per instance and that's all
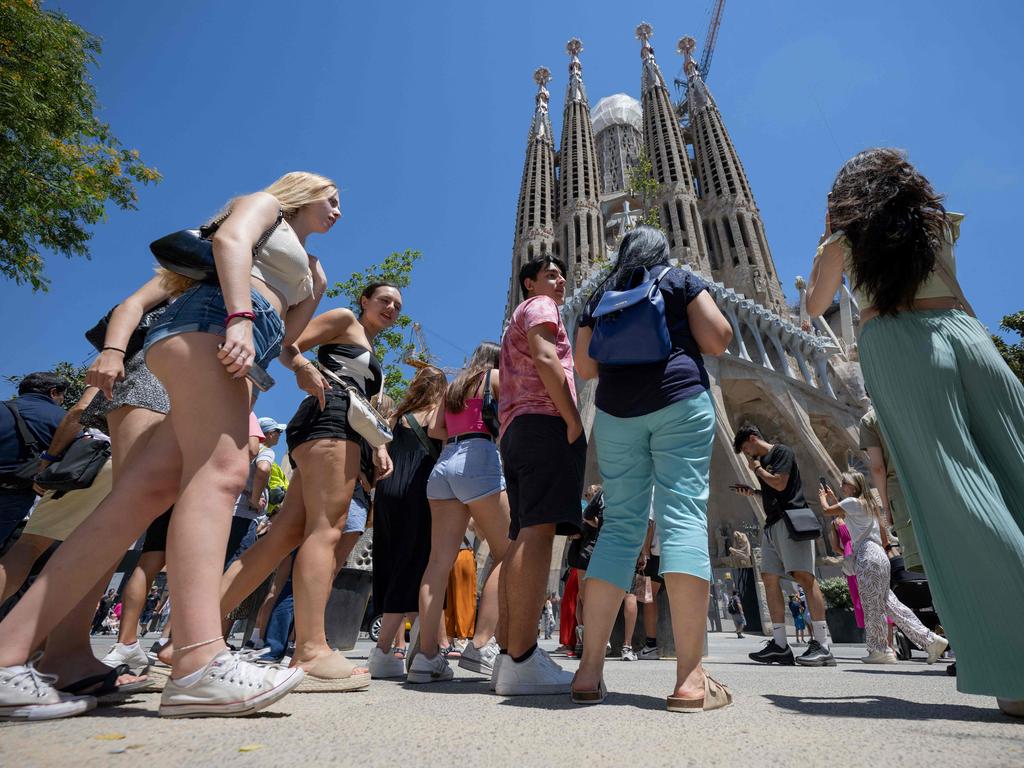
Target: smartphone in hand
(260, 378)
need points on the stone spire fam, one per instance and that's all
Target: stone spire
(663, 138)
(535, 233)
(580, 229)
(733, 229)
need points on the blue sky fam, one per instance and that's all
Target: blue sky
(420, 112)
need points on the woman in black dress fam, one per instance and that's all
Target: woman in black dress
(401, 528)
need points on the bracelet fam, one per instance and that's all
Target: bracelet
(249, 315)
(212, 640)
(114, 349)
(45, 456)
(304, 365)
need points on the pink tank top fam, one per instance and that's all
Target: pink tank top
(471, 419)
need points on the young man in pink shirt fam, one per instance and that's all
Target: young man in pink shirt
(544, 452)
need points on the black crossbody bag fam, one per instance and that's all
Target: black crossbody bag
(22, 476)
(802, 524)
(78, 467)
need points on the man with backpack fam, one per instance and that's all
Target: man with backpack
(27, 425)
(736, 612)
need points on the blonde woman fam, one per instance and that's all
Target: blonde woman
(871, 565)
(201, 349)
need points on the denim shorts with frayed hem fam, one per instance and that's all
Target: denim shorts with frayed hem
(467, 470)
(201, 309)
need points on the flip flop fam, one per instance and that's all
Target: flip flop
(104, 686)
(716, 696)
(588, 697)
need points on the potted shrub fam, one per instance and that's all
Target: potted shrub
(842, 622)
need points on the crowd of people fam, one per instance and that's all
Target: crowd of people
(500, 453)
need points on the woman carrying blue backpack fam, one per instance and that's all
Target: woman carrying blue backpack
(642, 336)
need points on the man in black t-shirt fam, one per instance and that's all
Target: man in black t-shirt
(782, 557)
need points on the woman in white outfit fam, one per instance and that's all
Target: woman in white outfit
(871, 565)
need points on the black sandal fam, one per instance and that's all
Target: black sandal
(104, 686)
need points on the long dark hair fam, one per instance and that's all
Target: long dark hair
(894, 221)
(485, 357)
(642, 247)
(426, 390)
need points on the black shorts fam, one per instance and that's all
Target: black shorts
(156, 534)
(653, 566)
(544, 474)
(310, 423)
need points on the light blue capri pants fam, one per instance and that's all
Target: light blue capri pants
(669, 450)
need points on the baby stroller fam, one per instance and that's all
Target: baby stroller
(911, 589)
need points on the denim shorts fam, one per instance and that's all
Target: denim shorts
(201, 309)
(467, 471)
(358, 511)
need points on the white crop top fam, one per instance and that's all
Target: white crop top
(282, 263)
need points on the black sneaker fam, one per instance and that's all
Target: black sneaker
(773, 653)
(816, 656)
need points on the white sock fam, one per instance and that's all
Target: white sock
(779, 635)
(191, 678)
(255, 639)
(129, 646)
(821, 633)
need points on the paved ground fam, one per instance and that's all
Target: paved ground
(906, 715)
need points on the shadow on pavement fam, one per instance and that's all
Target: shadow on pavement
(940, 672)
(563, 702)
(884, 708)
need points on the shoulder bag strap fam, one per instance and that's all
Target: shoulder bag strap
(207, 230)
(487, 385)
(24, 433)
(417, 430)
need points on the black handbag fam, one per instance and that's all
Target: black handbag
(23, 475)
(802, 524)
(189, 252)
(97, 335)
(580, 550)
(78, 467)
(489, 409)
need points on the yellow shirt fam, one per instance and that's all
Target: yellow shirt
(933, 287)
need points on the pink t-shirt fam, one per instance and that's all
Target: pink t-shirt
(522, 390)
(254, 427)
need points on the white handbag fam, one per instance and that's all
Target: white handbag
(362, 417)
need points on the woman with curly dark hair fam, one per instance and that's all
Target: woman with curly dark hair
(950, 409)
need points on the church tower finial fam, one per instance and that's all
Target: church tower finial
(676, 197)
(580, 228)
(734, 232)
(535, 233)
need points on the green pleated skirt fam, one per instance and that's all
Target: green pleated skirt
(952, 414)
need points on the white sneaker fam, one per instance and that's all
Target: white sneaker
(538, 675)
(427, 669)
(231, 685)
(494, 671)
(628, 654)
(383, 664)
(936, 648)
(137, 659)
(479, 660)
(649, 654)
(887, 656)
(26, 694)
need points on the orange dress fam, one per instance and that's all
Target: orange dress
(460, 607)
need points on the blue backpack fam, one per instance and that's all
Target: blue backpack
(630, 326)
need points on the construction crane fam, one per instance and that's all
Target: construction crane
(682, 84)
(418, 355)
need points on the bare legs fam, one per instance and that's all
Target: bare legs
(688, 598)
(629, 611)
(329, 472)
(16, 565)
(448, 521)
(133, 597)
(491, 518)
(651, 612)
(523, 584)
